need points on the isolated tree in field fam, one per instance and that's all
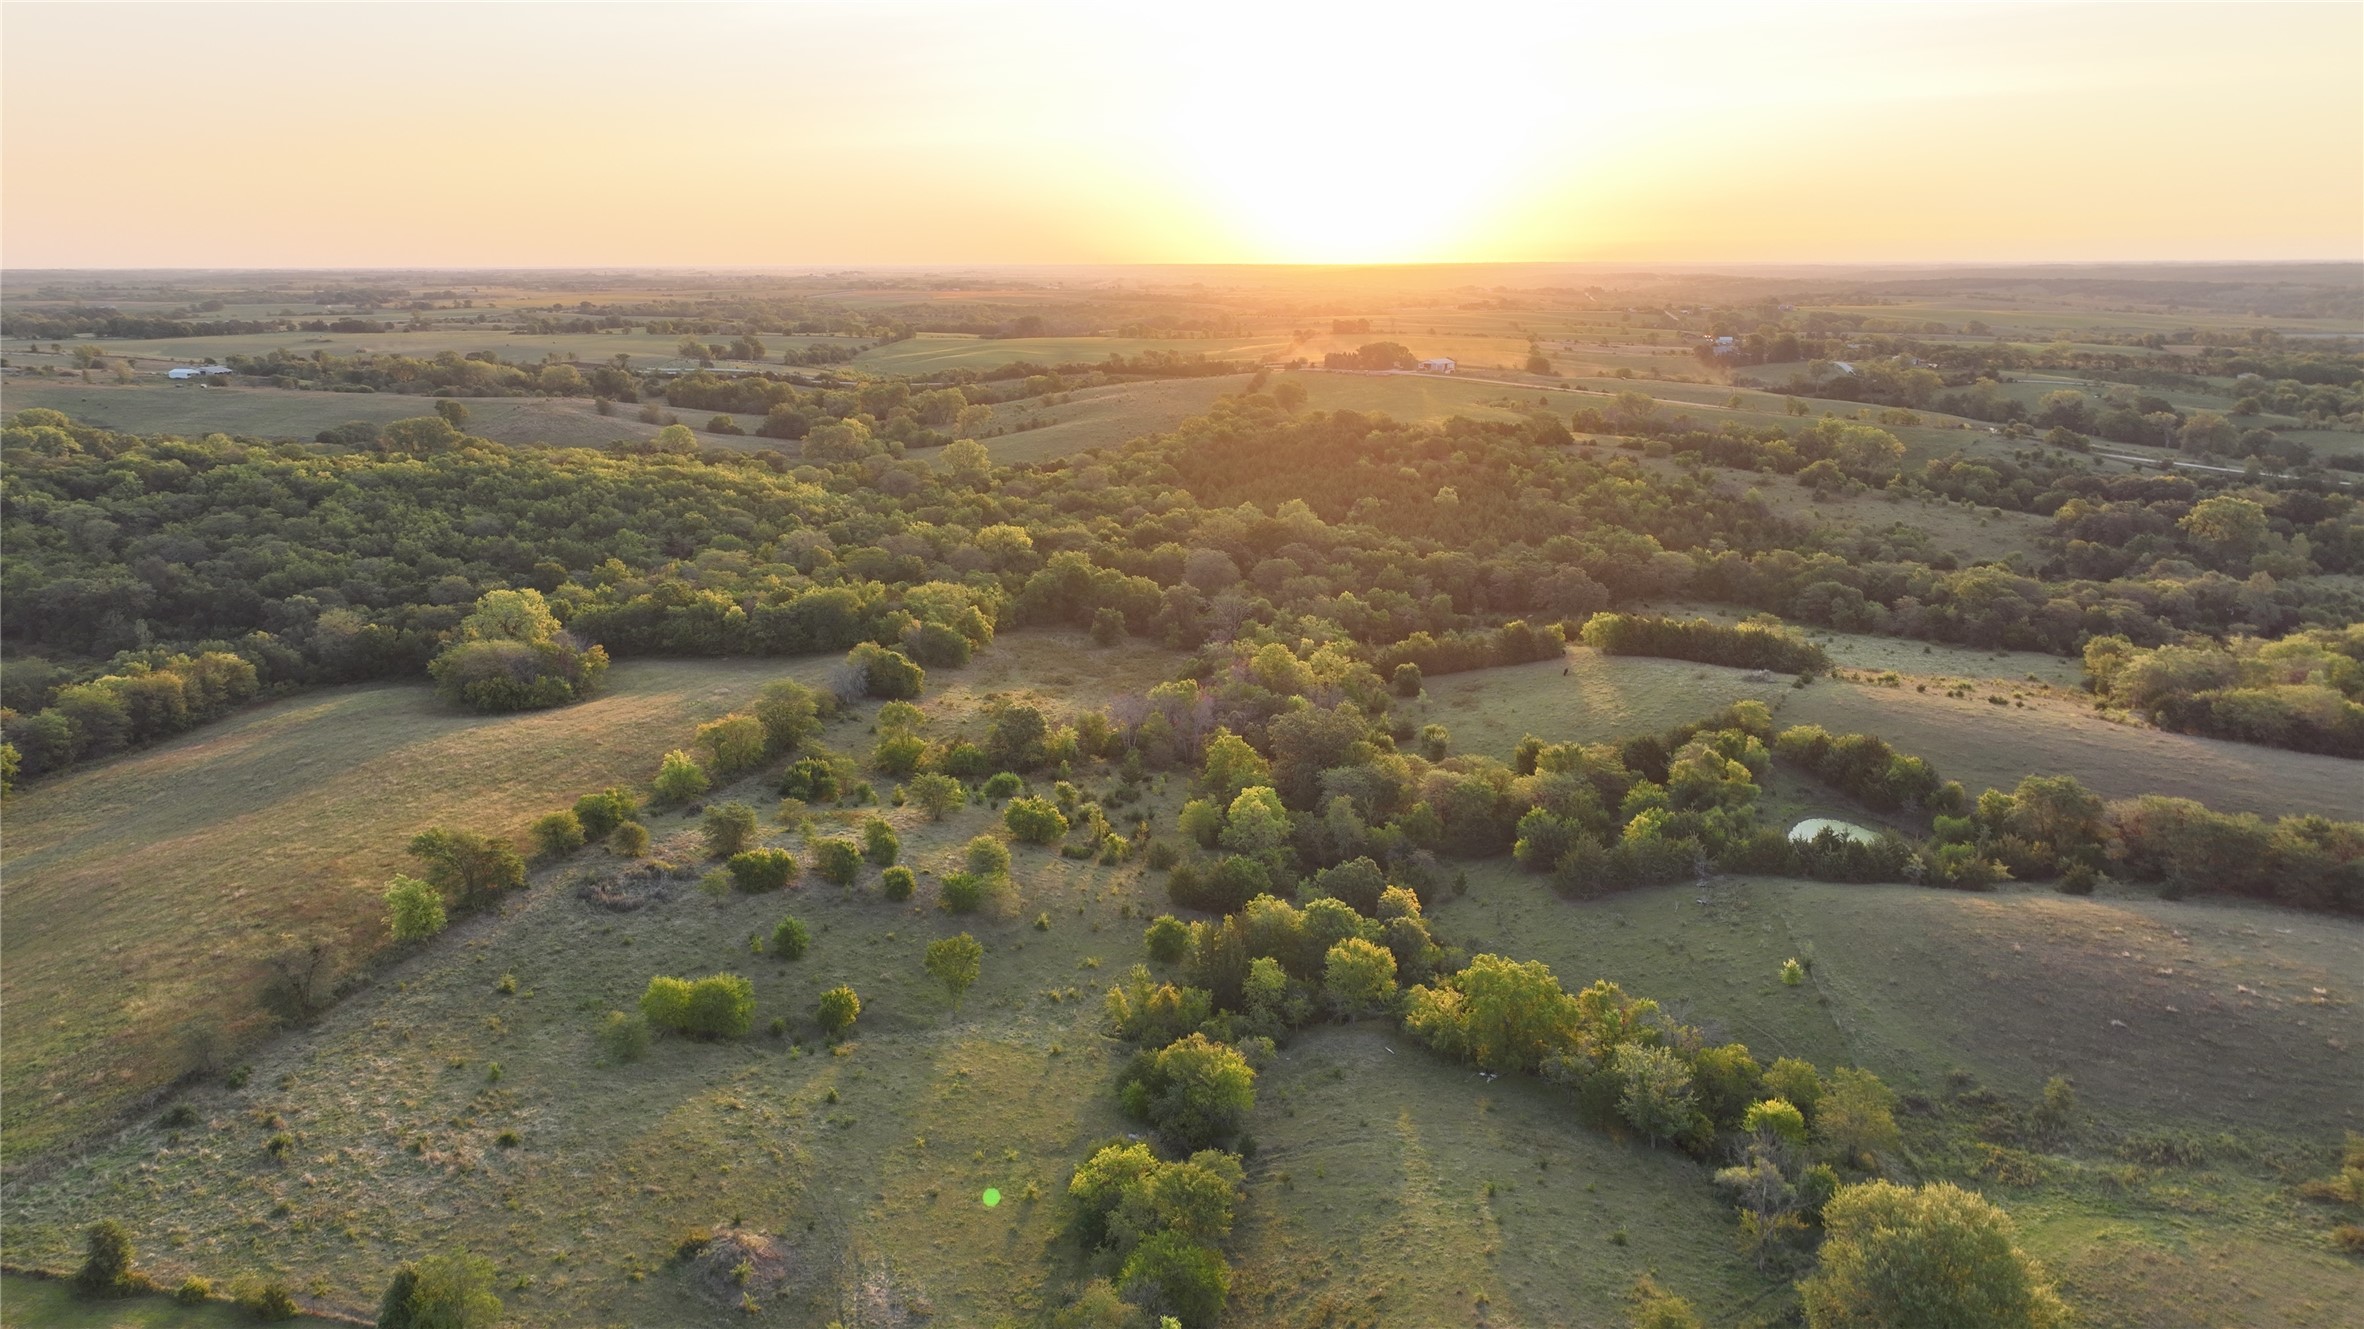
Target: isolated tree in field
(471, 869)
(757, 871)
(106, 1261)
(837, 1010)
(716, 1006)
(734, 744)
(441, 1292)
(630, 839)
(791, 939)
(836, 860)
(557, 834)
(879, 844)
(987, 857)
(789, 712)
(1928, 1255)
(601, 813)
(879, 672)
(937, 794)
(897, 883)
(453, 413)
(955, 962)
(728, 828)
(414, 909)
(1035, 821)
(680, 778)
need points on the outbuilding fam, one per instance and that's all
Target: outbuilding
(197, 371)
(1439, 365)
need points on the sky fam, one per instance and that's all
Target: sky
(793, 135)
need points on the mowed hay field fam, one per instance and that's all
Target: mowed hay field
(2235, 1028)
(2042, 727)
(142, 892)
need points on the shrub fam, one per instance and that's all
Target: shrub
(791, 939)
(1406, 680)
(1934, 1254)
(1163, 854)
(1194, 1089)
(414, 909)
(879, 844)
(1168, 938)
(603, 812)
(470, 868)
(955, 962)
(898, 754)
(839, 1007)
(447, 1292)
(879, 672)
(735, 744)
(680, 778)
(1003, 784)
(623, 1037)
(728, 828)
(937, 794)
(963, 892)
(106, 1261)
(1035, 821)
(898, 883)
(837, 860)
(558, 834)
(812, 779)
(1656, 1308)
(195, 1290)
(716, 1006)
(1170, 1274)
(630, 839)
(266, 1299)
(759, 870)
(987, 857)
(1792, 973)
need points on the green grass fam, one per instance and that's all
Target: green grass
(143, 891)
(149, 408)
(42, 1303)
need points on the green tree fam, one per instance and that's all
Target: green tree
(601, 813)
(837, 1010)
(837, 860)
(1169, 1274)
(1168, 938)
(441, 1292)
(1855, 1120)
(1231, 766)
(1929, 1255)
(558, 834)
(106, 1261)
(1656, 1308)
(1201, 821)
(987, 857)
(414, 909)
(1194, 1089)
(757, 871)
(1655, 1093)
(879, 844)
(728, 828)
(1035, 821)
(734, 744)
(470, 868)
(680, 778)
(955, 962)
(1257, 823)
(791, 939)
(937, 794)
(1359, 975)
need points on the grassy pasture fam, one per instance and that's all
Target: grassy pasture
(286, 413)
(142, 891)
(647, 350)
(1106, 416)
(51, 1304)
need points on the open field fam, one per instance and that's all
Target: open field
(287, 413)
(2044, 728)
(1105, 417)
(286, 818)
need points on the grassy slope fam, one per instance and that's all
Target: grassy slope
(285, 413)
(142, 891)
(41, 1303)
(2046, 729)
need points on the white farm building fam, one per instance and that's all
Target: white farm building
(1439, 365)
(197, 371)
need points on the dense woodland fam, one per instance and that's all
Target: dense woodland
(320, 563)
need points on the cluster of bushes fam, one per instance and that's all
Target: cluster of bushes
(1742, 646)
(1865, 766)
(142, 704)
(716, 1006)
(2305, 691)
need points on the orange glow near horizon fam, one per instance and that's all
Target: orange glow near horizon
(791, 135)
